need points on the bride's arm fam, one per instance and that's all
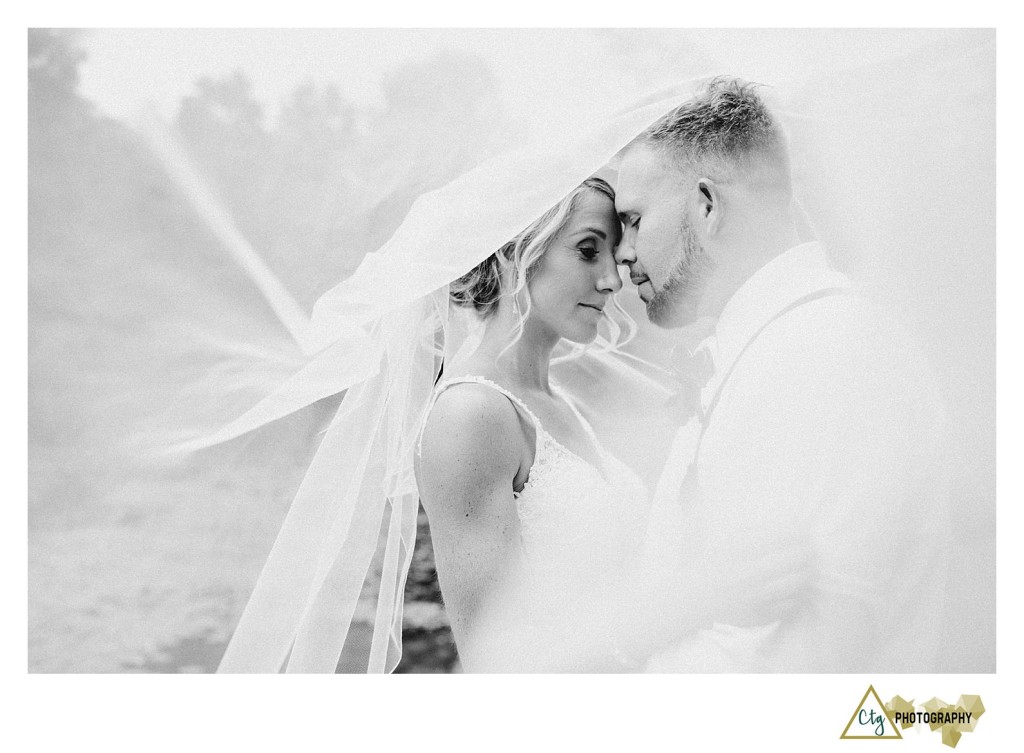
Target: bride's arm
(472, 449)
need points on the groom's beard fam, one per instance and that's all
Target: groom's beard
(677, 303)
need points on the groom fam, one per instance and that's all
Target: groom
(820, 425)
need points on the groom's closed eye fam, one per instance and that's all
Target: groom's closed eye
(629, 219)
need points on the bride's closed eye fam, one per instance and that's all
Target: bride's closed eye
(588, 251)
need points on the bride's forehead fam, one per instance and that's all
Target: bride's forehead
(592, 203)
(594, 208)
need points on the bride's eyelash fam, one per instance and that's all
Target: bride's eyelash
(588, 252)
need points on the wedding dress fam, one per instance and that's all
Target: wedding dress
(580, 525)
(575, 518)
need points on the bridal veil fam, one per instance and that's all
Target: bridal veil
(879, 147)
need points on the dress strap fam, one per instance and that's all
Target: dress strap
(472, 379)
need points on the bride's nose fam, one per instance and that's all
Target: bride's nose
(609, 280)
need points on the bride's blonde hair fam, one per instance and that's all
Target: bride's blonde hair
(506, 272)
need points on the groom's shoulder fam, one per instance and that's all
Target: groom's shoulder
(839, 349)
(849, 330)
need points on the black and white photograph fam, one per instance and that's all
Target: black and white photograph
(512, 351)
(313, 378)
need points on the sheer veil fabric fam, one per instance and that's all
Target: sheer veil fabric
(858, 137)
(381, 336)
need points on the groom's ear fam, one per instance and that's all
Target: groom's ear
(709, 205)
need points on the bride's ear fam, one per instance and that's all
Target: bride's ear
(709, 205)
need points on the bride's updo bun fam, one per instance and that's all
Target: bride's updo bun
(507, 270)
(480, 288)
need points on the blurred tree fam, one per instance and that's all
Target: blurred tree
(314, 127)
(224, 107)
(442, 115)
(315, 191)
(53, 61)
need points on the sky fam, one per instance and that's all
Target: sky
(548, 77)
(128, 67)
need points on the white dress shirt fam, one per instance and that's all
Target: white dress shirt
(822, 428)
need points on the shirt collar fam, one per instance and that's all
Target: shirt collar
(799, 272)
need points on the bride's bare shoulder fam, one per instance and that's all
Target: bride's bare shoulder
(471, 452)
(469, 412)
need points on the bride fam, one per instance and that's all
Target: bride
(510, 473)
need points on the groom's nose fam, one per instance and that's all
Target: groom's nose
(625, 253)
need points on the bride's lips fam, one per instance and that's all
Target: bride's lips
(598, 309)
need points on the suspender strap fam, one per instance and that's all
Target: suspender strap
(705, 415)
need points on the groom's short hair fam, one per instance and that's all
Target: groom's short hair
(727, 132)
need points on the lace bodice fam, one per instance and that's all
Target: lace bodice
(575, 518)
